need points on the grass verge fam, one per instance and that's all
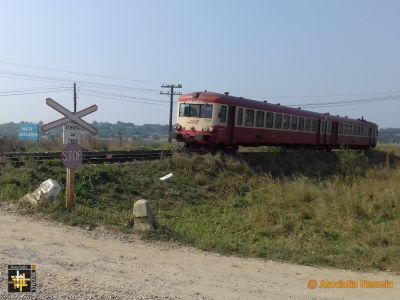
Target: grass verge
(339, 209)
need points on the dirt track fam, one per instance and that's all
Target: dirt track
(75, 263)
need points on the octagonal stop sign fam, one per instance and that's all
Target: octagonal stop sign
(72, 156)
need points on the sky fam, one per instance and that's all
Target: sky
(288, 52)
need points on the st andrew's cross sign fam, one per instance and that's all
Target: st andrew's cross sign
(72, 154)
(70, 116)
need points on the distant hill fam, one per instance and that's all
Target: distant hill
(389, 136)
(106, 130)
(156, 131)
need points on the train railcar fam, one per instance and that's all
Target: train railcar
(212, 121)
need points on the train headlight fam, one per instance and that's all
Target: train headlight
(210, 129)
(178, 126)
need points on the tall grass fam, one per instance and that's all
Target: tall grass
(337, 208)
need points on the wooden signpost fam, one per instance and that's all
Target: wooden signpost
(71, 156)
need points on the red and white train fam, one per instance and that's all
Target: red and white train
(212, 121)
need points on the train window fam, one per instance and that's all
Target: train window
(293, 123)
(322, 128)
(184, 110)
(222, 114)
(278, 121)
(206, 111)
(329, 127)
(362, 131)
(314, 125)
(249, 119)
(354, 130)
(358, 130)
(346, 129)
(194, 110)
(340, 128)
(260, 119)
(239, 116)
(307, 126)
(269, 123)
(286, 122)
(301, 124)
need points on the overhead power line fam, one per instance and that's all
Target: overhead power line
(120, 95)
(334, 95)
(33, 89)
(119, 99)
(348, 102)
(36, 77)
(77, 73)
(115, 86)
(34, 92)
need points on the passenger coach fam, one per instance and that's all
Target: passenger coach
(219, 121)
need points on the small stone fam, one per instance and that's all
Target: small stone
(48, 191)
(143, 216)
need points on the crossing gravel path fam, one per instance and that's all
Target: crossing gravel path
(74, 263)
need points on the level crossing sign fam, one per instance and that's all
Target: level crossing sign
(72, 155)
(70, 117)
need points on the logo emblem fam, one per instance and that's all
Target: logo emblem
(21, 278)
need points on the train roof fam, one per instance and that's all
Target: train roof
(227, 99)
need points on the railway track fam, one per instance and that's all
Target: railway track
(89, 157)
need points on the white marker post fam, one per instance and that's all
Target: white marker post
(71, 157)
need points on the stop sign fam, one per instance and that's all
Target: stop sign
(72, 156)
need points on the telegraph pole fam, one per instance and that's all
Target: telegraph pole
(171, 93)
(74, 97)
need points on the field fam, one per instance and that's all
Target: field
(339, 208)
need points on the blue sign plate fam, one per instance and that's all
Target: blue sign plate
(28, 132)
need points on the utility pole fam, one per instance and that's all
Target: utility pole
(74, 97)
(171, 93)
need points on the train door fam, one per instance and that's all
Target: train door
(231, 126)
(317, 133)
(322, 132)
(370, 135)
(334, 133)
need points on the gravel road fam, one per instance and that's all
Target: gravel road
(74, 263)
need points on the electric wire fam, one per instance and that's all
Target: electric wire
(347, 102)
(120, 95)
(16, 75)
(123, 100)
(34, 89)
(77, 73)
(115, 86)
(34, 92)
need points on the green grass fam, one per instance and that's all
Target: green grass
(339, 208)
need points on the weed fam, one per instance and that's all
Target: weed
(338, 208)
